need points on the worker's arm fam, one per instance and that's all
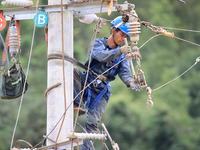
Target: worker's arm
(102, 54)
(125, 73)
(126, 77)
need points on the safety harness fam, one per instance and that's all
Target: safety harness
(87, 94)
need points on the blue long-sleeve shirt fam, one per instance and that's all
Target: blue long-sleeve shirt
(104, 57)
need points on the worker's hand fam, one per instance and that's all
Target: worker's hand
(135, 86)
(125, 49)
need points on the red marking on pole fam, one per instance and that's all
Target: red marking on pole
(2, 21)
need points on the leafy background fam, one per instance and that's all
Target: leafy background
(173, 122)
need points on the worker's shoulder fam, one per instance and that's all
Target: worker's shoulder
(100, 42)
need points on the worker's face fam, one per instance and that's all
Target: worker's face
(119, 37)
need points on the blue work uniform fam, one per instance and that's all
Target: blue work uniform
(96, 96)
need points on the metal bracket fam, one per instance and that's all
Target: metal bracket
(26, 13)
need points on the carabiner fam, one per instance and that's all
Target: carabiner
(150, 103)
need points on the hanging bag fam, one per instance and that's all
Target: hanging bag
(13, 82)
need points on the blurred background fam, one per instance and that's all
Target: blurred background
(171, 124)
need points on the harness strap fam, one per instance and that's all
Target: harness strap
(114, 69)
(106, 88)
(88, 95)
(87, 92)
(99, 97)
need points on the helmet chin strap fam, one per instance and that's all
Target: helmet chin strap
(114, 39)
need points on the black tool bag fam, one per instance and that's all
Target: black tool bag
(13, 82)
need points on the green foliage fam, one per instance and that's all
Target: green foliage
(173, 122)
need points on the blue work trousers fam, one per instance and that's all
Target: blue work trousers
(93, 118)
(93, 115)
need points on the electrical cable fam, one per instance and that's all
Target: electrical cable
(187, 41)
(5, 51)
(149, 40)
(197, 60)
(19, 110)
(186, 30)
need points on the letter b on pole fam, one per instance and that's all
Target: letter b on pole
(41, 19)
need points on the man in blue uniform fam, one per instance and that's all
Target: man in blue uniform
(106, 53)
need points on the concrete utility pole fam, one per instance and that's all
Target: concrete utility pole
(55, 98)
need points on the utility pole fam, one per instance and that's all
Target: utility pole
(55, 97)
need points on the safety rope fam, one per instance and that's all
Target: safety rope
(29, 60)
(89, 64)
(50, 88)
(63, 63)
(23, 141)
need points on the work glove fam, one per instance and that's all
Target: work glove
(125, 49)
(135, 86)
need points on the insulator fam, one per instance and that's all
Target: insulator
(88, 19)
(134, 27)
(13, 41)
(89, 136)
(23, 3)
